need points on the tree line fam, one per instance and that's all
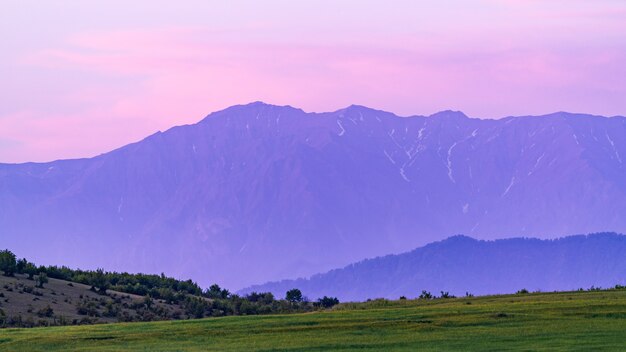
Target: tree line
(197, 302)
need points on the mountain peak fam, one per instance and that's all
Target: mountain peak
(354, 109)
(449, 114)
(261, 104)
(357, 107)
(459, 237)
(255, 106)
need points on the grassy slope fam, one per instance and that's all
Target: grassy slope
(62, 298)
(571, 321)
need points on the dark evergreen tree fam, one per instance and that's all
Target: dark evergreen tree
(216, 292)
(20, 265)
(294, 295)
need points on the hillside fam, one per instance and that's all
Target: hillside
(32, 296)
(60, 302)
(59, 296)
(461, 264)
(258, 192)
(568, 321)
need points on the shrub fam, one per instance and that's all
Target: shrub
(45, 312)
(426, 295)
(328, 302)
(195, 307)
(446, 294)
(89, 308)
(111, 310)
(263, 297)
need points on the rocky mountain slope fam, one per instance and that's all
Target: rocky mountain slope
(260, 192)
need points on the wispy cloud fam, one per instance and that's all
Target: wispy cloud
(501, 58)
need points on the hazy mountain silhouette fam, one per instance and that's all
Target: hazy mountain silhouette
(260, 192)
(461, 264)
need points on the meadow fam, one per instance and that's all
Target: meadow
(563, 321)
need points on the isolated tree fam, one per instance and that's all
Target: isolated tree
(294, 295)
(42, 279)
(99, 280)
(8, 263)
(30, 269)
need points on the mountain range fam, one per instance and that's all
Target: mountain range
(460, 265)
(259, 192)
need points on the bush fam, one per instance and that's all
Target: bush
(111, 310)
(446, 294)
(45, 312)
(89, 308)
(263, 297)
(328, 302)
(426, 295)
(195, 307)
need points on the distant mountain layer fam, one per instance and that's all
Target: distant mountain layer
(259, 192)
(461, 264)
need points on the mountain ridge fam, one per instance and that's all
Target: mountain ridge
(461, 264)
(258, 192)
(356, 106)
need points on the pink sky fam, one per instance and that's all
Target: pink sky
(82, 78)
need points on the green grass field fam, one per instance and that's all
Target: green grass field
(569, 321)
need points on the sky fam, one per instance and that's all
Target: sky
(80, 78)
